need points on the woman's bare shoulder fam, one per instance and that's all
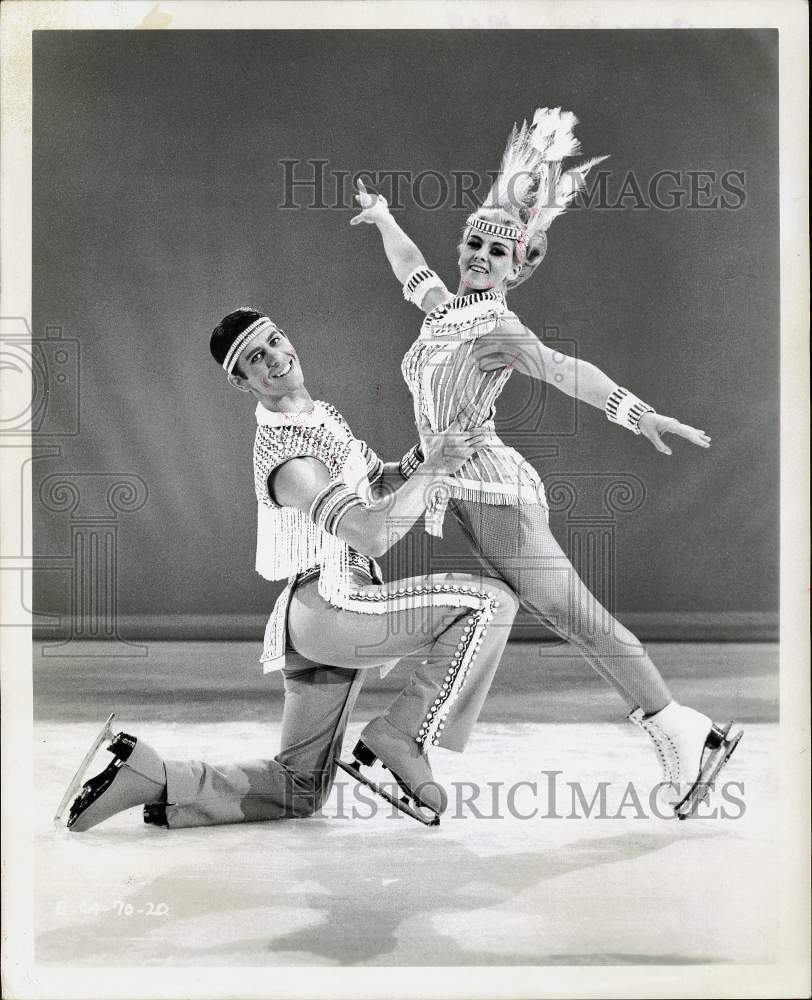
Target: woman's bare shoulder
(435, 297)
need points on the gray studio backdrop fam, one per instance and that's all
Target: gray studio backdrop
(162, 199)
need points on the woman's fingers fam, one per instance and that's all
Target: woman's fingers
(697, 437)
(365, 201)
(693, 435)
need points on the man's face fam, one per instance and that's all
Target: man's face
(268, 365)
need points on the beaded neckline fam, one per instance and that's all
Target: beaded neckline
(312, 417)
(462, 301)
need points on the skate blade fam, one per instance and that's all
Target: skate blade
(76, 781)
(427, 819)
(700, 792)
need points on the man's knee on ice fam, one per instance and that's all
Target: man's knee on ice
(308, 791)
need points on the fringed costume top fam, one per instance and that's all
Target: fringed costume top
(294, 546)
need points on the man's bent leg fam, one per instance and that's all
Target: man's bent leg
(452, 628)
(318, 703)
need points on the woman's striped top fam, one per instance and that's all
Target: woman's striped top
(444, 378)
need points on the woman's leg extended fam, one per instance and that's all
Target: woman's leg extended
(517, 544)
(318, 702)
(450, 628)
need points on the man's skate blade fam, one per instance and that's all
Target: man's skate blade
(76, 781)
(701, 790)
(399, 804)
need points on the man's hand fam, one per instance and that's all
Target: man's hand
(654, 425)
(446, 451)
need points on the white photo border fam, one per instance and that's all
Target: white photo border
(790, 977)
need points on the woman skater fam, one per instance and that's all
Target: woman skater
(468, 346)
(327, 506)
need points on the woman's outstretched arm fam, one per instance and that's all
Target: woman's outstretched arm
(403, 254)
(513, 345)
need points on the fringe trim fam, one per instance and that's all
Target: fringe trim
(494, 499)
(436, 511)
(289, 542)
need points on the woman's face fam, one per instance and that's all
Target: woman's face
(486, 262)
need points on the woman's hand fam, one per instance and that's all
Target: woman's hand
(446, 451)
(374, 207)
(654, 425)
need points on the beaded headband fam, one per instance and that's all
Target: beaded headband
(248, 334)
(494, 229)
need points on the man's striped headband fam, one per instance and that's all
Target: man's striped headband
(248, 334)
(494, 229)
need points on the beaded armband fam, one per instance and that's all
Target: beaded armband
(624, 408)
(419, 284)
(411, 462)
(374, 464)
(332, 504)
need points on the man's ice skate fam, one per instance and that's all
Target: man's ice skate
(422, 799)
(135, 776)
(692, 751)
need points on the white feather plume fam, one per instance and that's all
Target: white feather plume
(531, 174)
(561, 189)
(517, 173)
(552, 134)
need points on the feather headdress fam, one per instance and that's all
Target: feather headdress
(532, 186)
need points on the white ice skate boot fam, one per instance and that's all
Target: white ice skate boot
(692, 750)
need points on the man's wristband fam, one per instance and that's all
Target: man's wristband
(411, 462)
